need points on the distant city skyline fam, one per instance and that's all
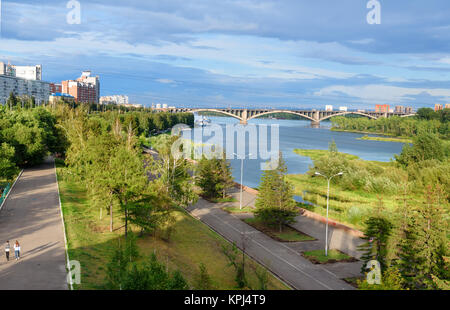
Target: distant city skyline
(284, 54)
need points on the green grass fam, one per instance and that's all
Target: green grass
(385, 139)
(191, 243)
(318, 256)
(288, 234)
(316, 154)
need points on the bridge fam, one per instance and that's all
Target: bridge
(315, 116)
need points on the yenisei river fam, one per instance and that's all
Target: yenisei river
(298, 134)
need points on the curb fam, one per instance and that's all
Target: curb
(10, 190)
(64, 229)
(312, 215)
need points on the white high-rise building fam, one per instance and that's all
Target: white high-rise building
(343, 109)
(23, 81)
(115, 99)
(328, 108)
(29, 72)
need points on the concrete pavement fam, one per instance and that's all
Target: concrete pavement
(282, 260)
(32, 216)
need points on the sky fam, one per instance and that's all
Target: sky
(240, 53)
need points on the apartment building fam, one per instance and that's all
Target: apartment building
(23, 81)
(382, 108)
(85, 89)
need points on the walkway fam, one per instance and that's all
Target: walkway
(281, 259)
(31, 215)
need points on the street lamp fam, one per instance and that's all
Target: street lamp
(328, 198)
(242, 176)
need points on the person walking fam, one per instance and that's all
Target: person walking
(7, 249)
(17, 250)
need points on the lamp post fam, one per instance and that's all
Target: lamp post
(328, 199)
(242, 176)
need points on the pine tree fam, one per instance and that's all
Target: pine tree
(424, 247)
(275, 204)
(377, 232)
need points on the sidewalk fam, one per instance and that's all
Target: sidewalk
(32, 216)
(284, 261)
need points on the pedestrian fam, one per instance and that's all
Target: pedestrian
(7, 249)
(17, 250)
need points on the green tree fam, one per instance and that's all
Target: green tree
(203, 280)
(8, 168)
(424, 246)
(377, 232)
(275, 204)
(426, 146)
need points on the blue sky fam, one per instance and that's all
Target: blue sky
(246, 53)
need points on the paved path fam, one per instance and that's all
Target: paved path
(32, 215)
(337, 237)
(282, 260)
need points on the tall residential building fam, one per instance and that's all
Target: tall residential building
(29, 72)
(408, 110)
(55, 88)
(23, 81)
(85, 89)
(399, 109)
(328, 108)
(447, 105)
(343, 109)
(382, 108)
(438, 107)
(115, 99)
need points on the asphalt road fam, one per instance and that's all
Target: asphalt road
(32, 216)
(282, 260)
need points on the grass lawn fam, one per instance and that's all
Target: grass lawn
(386, 139)
(191, 243)
(288, 234)
(316, 154)
(237, 210)
(334, 256)
(350, 207)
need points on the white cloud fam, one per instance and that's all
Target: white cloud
(381, 93)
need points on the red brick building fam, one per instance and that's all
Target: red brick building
(55, 88)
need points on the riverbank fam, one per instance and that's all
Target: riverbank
(353, 199)
(391, 139)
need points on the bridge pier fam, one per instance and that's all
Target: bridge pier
(243, 122)
(315, 124)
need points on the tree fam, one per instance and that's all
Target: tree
(424, 247)
(231, 253)
(391, 280)
(214, 176)
(8, 168)
(426, 146)
(203, 280)
(173, 171)
(275, 204)
(376, 234)
(426, 114)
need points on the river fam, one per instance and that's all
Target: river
(298, 134)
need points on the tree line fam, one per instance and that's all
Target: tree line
(426, 120)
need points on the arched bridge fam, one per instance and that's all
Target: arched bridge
(315, 116)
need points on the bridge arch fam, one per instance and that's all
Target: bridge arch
(280, 111)
(347, 113)
(217, 111)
